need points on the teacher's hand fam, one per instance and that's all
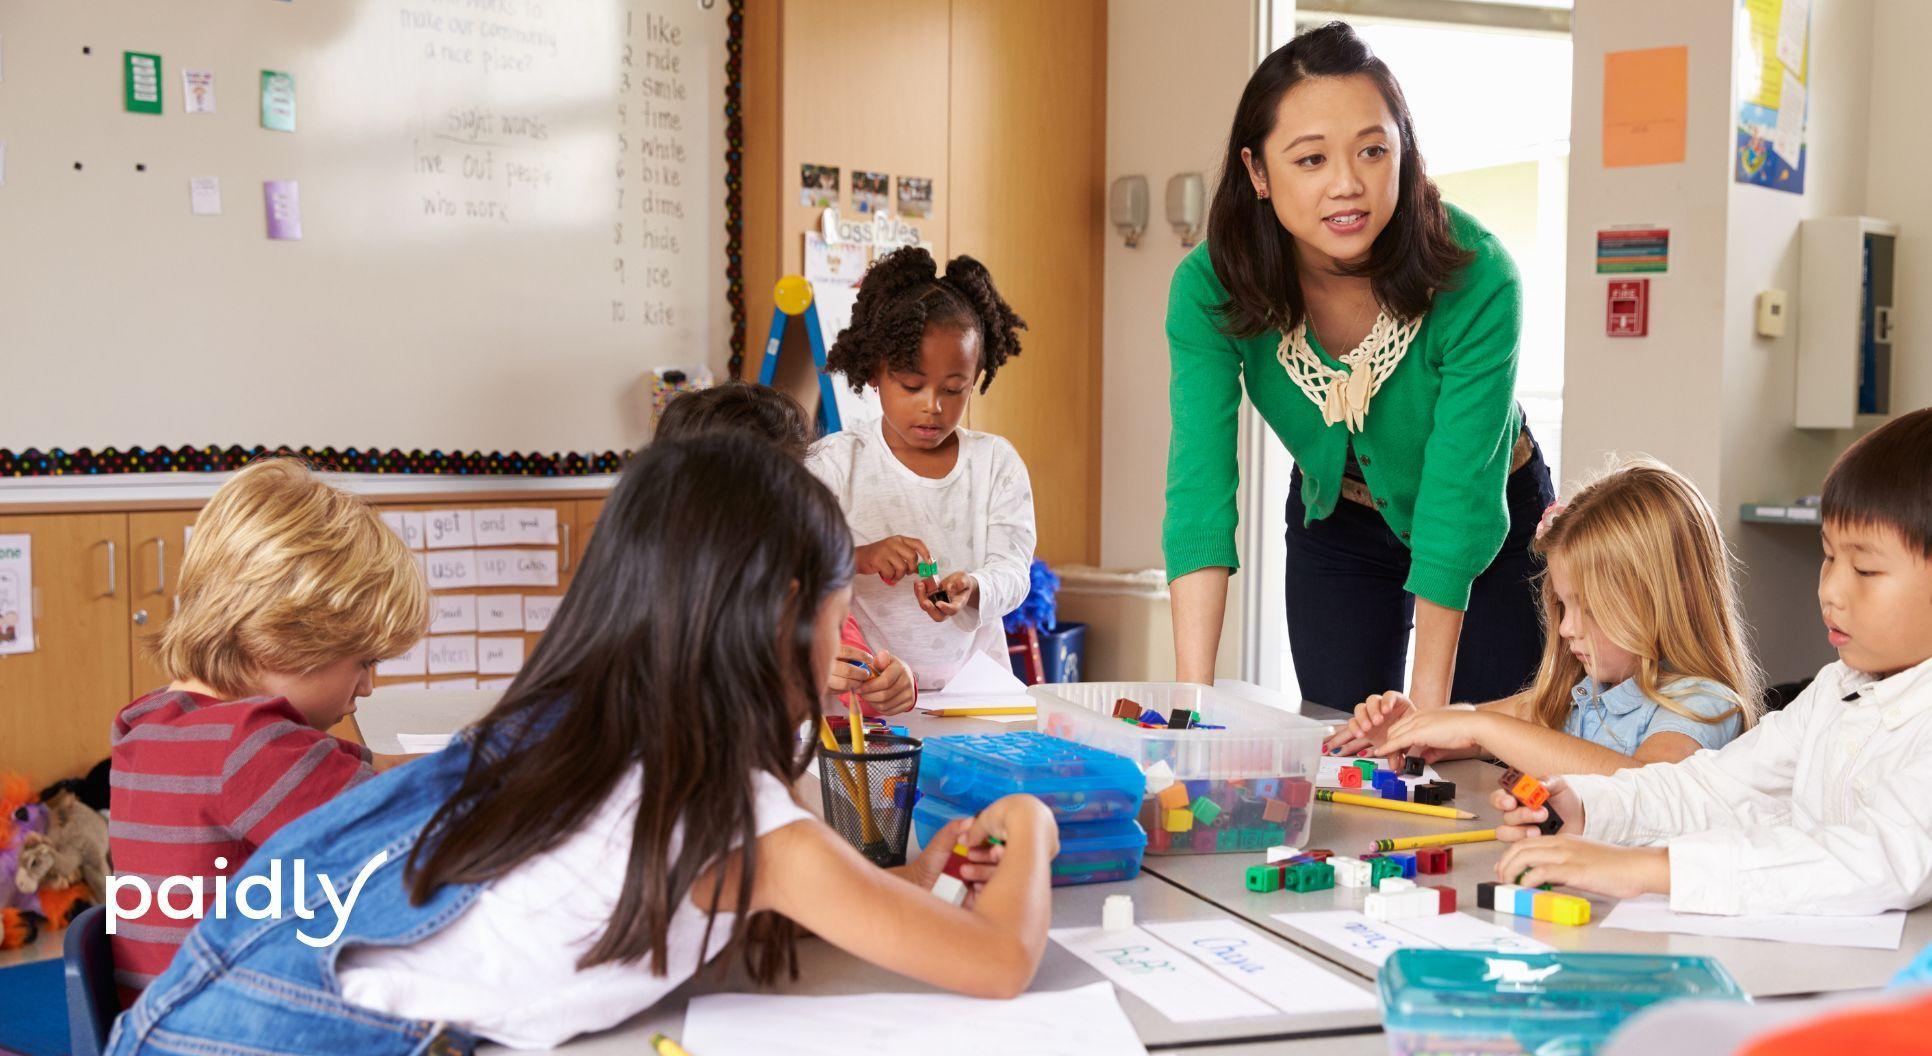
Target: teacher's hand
(1370, 724)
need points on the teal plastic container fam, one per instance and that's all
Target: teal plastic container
(1080, 784)
(1472, 1003)
(1093, 853)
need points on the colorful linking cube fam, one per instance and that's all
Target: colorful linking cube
(1293, 875)
(1399, 899)
(1435, 793)
(1531, 793)
(1433, 860)
(1530, 902)
(1349, 777)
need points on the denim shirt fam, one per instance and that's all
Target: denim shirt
(242, 987)
(1621, 718)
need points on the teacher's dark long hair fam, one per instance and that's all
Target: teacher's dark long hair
(1254, 256)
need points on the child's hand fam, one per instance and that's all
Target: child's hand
(924, 870)
(890, 691)
(1572, 861)
(960, 589)
(1370, 725)
(1437, 728)
(892, 559)
(846, 677)
(1519, 822)
(1015, 817)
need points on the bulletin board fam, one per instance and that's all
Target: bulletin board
(509, 212)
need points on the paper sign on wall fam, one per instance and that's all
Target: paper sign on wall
(198, 91)
(415, 663)
(447, 529)
(204, 195)
(499, 612)
(16, 594)
(453, 654)
(499, 656)
(141, 82)
(452, 612)
(536, 526)
(1646, 95)
(451, 570)
(282, 200)
(278, 101)
(516, 568)
(406, 524)
(538, 611)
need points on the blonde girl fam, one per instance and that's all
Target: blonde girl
(1643, 659)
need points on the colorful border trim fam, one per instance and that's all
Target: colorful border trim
(211, 459)
(735, 181)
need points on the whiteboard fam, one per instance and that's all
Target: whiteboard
(511, 210)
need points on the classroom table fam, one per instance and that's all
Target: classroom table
(1179, 887)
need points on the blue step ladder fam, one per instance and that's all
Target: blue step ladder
(792, 298)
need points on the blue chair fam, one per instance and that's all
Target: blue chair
(93, 1000)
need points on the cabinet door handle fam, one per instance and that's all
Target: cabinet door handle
(113, 574)
(566, 546)
(160, 565)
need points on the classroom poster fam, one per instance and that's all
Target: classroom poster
(16, 594)
(198, 91)
(1773, 45)
(204, 195)
(1646, 97)
(278, 101)
(283, 201)
(141, 82)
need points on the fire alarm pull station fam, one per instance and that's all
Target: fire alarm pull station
(1628, 310)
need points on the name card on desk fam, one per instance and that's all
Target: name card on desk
(1173, 983)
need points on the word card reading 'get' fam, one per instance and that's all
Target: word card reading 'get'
(515, 568)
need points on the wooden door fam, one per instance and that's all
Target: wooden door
(156, 544)
(58, 702)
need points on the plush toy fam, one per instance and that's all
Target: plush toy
(73, 851)
(53, 859)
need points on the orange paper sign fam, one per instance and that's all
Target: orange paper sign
(1644, 105)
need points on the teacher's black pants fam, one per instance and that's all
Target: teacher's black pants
(1349, 618)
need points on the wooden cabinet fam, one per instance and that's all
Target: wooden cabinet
(156, 544)
(105, 586)
(57, 703)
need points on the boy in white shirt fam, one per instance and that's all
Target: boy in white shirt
(916, 488)
(1823, 808)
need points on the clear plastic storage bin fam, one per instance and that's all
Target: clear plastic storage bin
(1080, 784)
(1248, 786)
(1472, 1003)
(1091, 853)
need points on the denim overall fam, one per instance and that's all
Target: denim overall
(246, 987)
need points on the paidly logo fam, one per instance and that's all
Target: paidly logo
(267, 884)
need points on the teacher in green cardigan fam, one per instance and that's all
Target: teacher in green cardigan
(1376, 331)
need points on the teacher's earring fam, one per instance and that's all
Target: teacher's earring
(1260, 194)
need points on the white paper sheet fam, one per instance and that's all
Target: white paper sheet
(982, 682)
(414, 662)
(499, 612)
(516, 526)
(16, 594)
(450, 569)
(1262, 966)
(1653, 913)
(1794, 26)
(1174, 984)
(452, 655)
(516, 568)
(204, 196)
(449, 613)
(539, 610)
(1328, 774)
(408, 524)
(1373, 940)
(423, 743)
(1084, 1021)
(448, 529)
(499, 656)
(1789, 138)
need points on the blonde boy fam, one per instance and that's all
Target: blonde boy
(290, 592)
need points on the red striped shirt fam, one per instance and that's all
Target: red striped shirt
(195, 779)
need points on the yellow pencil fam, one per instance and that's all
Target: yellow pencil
(857, 722)
(950, 713)
(1446, 839)
(664, 1046)
(1329, 795)
(825, 737)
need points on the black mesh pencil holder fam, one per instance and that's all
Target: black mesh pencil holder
(869, 797)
